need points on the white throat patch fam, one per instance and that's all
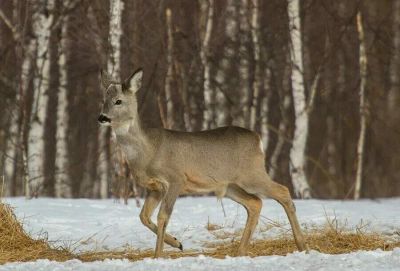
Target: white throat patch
(123, 128)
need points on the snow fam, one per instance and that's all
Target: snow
(84, 224)
(372, 260)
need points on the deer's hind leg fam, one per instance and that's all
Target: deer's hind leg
(253, 205)
(151, 202)
(281, 194)
(263, 185)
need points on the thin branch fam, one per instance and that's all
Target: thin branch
(9, 24)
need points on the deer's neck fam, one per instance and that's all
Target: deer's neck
(132, 139)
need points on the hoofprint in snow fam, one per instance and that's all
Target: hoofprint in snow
(86, 224)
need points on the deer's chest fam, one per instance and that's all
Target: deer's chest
(132, 149)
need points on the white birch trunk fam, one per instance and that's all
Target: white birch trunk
(231, 31)
(27, 67)
(363, 116)
(244, 67)
(204, 55)
(115, 33)
(62, 186)
(255, 28)
(297, 152)
(394, 93)
(169, 76)
(265, 110)
(113, 68)
(221, 103)
(41, 28)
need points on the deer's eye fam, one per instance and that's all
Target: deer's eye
(118, 102)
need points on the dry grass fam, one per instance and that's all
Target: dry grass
(17, 245)
(327, 241)
(212, 227)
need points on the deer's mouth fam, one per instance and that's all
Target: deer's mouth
(103, 119)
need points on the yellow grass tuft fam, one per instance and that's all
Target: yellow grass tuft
(212, 227)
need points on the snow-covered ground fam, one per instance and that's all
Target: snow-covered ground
(105, 224)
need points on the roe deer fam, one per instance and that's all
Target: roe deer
(228, 161)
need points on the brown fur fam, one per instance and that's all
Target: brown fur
(227, 161)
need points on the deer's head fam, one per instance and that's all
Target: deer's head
(120, 103)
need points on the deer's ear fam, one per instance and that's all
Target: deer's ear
(105, 79)
(134, 82)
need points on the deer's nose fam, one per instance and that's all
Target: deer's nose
(103, 119)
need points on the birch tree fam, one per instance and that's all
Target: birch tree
(363, 115)
(62, 188)
(255, 28)
(113, 68)
(115, 33)
(242, 118)
(297, 152)
(169, 76)
(224, 76)
(261, 79)
(42, 22)
(209, 100)
(13, 149)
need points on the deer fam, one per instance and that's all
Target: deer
(227, 161)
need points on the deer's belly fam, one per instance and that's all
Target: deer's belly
(200, 185)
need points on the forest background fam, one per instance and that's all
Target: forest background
(318, 80)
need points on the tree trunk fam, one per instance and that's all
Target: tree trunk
(285, 105)
(394, 93)
(209, 101)
(297, 153)
(50, 125)
(62, 186)
(24, 50)
(242, 102)
(114, 68)
(113, 65)
(42, 22)
(363, 112)
(227, 82)
(169, 76)
(255, 28)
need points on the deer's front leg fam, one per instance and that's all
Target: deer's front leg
(151, 202)
(164, 214)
